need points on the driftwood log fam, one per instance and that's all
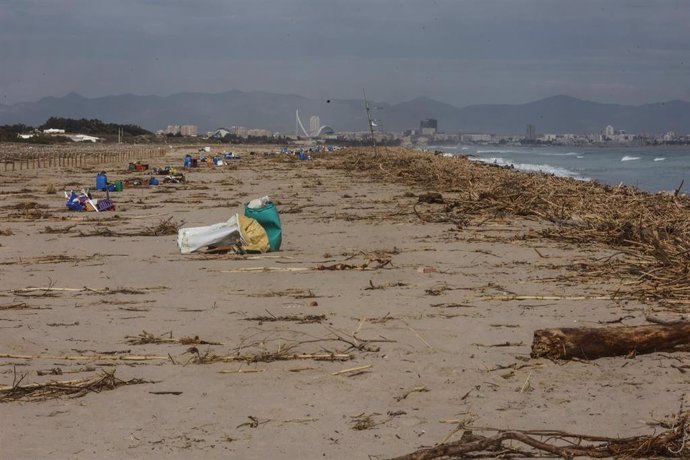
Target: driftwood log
(593, 343)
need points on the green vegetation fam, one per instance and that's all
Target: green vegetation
(234, 139)
(108, 131)
(92, 127)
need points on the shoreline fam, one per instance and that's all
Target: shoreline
(431, 305)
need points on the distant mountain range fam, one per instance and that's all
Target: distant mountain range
(556, 114)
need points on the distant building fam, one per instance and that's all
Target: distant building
(172, 129)
(219, 133)
(609, 131)
(182, 130)
(623, 137)
(258, 132)
(84, 138)
(428, 127)
(479, 138)
(531, 133)
(188, 130)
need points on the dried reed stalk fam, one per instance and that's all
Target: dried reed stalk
(651, 231)
(56, 389)
(147, 337)
(672, 443)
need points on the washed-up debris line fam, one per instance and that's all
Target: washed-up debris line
(651, 232)
(55, 389)
(671, 443)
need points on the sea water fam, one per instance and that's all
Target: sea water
(651, 169)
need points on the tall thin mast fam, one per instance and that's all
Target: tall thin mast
(371, 124)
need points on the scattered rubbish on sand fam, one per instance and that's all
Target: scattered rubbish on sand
(258, 230)
(83, 201)
(138, 166)
(103, 185)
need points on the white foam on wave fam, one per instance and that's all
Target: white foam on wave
(659, 159)
(629, 158)
(528, 167)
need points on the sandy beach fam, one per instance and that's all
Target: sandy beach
(386, 323)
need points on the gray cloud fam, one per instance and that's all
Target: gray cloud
(462, 52)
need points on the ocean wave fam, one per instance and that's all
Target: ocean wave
(534, 168)
(629, 158)
(659, 159)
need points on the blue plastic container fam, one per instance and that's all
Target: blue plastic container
(188, 161)
(101, 181)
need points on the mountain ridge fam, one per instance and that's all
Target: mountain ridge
(260, 109)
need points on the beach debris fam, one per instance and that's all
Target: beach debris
(593, 343)
(379, 262)
(56, 389)
(254, 422)
(295, 293)
(83, 201)
(265, 212)
(138, 166)
(651, 232)
(363, 422)
(237, 234)
(351, 372)
(164, 227)
(419, 389)
(258, 230)
(299, 319)
(56, 230)
(431, 197)
(51, 290)
(22, 306)
(671, 443)
(282, 354)
(147, 338)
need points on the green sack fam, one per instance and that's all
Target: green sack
(268, 217)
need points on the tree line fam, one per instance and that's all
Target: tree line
(92, 127)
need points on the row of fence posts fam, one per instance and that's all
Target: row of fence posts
(80, 158)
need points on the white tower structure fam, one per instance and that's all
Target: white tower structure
(609, 131)
(314, 125)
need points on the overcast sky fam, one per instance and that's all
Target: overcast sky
(459, 51)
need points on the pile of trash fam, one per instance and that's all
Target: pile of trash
(258, 230)
(84, 201)
(190, 162)
(138, 166)
(170, 175)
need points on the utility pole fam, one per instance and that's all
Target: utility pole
(371, 124)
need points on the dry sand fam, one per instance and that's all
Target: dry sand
(430, 323)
